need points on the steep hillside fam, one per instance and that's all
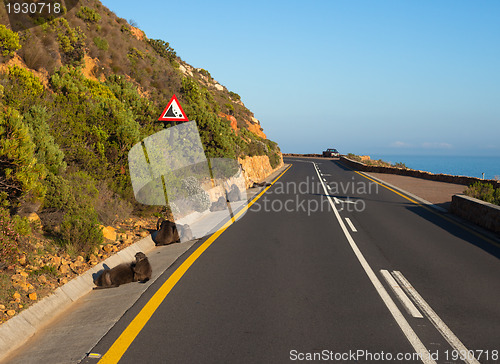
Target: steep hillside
(76, 93)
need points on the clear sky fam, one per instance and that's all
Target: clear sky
(367, 77)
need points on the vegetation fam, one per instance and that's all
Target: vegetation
(377, 163)
(65, 130)
(9, 41)
(484, 191)
(88, 14)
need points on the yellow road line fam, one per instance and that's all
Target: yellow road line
(116, 351)
(479, 235)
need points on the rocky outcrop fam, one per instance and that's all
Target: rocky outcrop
(232, 121)
(254, 126)
(257, 168)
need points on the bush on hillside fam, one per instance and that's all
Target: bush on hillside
(88, 14)
(20, 173)
(163, 49)
(46, 149)
(9, 41)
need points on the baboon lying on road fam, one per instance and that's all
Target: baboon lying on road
(140, 270)
(120, 274)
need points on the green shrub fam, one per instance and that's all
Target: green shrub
(88, 14)
(9, 41)
(74, 196)
(101, 43)
(229, 108)
(400, 165)
(47, 151)
(71, 41)
(484, 191)
(80, 230)
(20, 174)
(30, 84)
(205, 73)
(163, 49)
(234, 96)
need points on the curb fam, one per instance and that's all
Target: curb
(16, 331)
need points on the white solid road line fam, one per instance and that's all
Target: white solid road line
(433, 317)
(398, 291)
(351, 225)
(393, 309)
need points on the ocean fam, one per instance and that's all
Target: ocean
(472, 166)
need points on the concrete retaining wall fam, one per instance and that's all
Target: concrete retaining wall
(479, 212)
(461, 180)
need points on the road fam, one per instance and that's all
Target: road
(358, 274)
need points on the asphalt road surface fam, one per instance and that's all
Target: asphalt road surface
(327, 266)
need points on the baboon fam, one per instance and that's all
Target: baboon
(167, 232)
(186, 233)
(261, 184)
(142, 268)
(219, 205)
(234, 194)
(120, 274)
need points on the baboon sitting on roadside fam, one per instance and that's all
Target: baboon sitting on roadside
(186, 233)
(166, 232)
(234, 194)
(142, 268)
(219, 205)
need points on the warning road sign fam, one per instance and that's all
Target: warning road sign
(173, 111)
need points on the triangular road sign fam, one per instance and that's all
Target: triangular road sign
(173, 111)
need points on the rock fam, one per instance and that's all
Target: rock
(63, 280)
(16, 296)
(108, 248)
(33, 296)
(143, 234)
(2, 308)
(80, 259)
(22, 259)
(33, 217)
(11, 312)
(25, 287)
(18, 278)
(20, 306)
(55, 260)
(42, 279)
(109, 232)
(64, 269)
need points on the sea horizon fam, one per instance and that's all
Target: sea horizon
(471, 166)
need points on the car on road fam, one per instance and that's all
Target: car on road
(330, 152)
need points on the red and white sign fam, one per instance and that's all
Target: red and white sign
(173, 111)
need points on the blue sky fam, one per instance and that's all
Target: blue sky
(368, 77)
